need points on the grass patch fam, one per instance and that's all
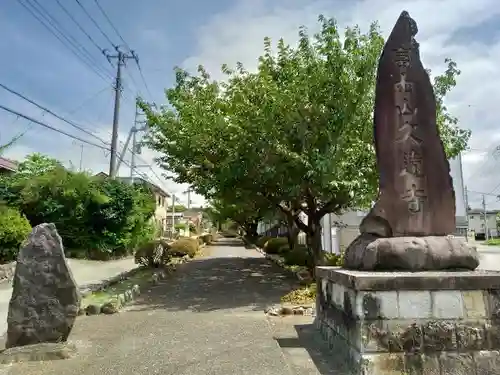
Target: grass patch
(303, 295)
(100, 297)
(493, 242)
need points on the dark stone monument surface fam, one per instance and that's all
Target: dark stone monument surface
(45, 297)
(416, 197)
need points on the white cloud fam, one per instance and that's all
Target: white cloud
(237, 35)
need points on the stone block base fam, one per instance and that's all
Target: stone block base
(388, 323)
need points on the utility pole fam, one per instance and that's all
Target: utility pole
(121, 58)
(466, 198)
(173, 214)
(81, 156)
(188, 192)
(486, 236)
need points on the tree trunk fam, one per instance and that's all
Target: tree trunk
(251, 230)
(314, 240)
(292, 231)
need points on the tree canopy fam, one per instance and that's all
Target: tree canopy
(297, 133)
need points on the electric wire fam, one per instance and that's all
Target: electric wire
(95, 23)
(68, 13)
(76, 126)
(112, 25)
(65, 34)
(63, 42)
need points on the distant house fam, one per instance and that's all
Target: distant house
(478, 224)
(7, 166)
(161, 199)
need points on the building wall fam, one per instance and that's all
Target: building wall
(476, 222)
(161, 211)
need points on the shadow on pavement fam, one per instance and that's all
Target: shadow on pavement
(210, 284)
(307, 351)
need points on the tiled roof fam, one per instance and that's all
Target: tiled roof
(10, 165)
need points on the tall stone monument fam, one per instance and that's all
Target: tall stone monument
(409, 300)
(408, 226)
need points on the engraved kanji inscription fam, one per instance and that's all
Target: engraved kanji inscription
(412, 163)
(402, 57)
(414, 196)
(403, 85)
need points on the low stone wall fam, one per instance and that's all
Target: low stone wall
(411, 323)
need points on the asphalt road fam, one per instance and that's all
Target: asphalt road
(206, 319)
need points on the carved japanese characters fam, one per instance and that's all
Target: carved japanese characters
(416, 194)
(408, 227)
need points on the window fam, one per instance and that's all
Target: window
(472, 217)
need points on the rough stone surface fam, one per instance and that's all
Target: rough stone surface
(45, 298)
(416, 190)
(411, 253)
(416, 196)
(38, 352)
(414, 281)
(418, 331)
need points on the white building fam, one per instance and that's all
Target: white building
(478, 225)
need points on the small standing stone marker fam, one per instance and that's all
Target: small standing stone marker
(45, 297)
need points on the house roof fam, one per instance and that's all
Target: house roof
(154, 187)
(8, 164)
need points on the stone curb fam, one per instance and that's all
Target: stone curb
(115, 303)
(302, 275)
(288, 309)
(306, 309)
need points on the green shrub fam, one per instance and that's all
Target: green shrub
(184, 246)
(336, 260)
(207, 238)
(261, 241)
(229, 233)
(14, 230)
(298, 257)
(273, 245)
(154, 253)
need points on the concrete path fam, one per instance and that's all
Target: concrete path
(84, 272)
(206, 319)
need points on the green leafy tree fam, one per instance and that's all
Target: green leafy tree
(95, 217)
(37, 164)
(297, 133)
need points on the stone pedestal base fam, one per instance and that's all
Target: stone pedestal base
(439, 323)
(432, 253)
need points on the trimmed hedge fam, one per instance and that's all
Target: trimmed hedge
(207, 239)
(274, 245)
(298, 257)
(261, 241)
(154, 253)
(185, 246)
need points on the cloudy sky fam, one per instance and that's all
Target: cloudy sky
(187, 33)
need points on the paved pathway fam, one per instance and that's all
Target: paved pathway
(206, 319)
(84, 272)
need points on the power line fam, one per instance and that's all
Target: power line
(105, 148)
(57, 26)
(126, 45)
(143, 79)
(62, 38)
(79, 26)
(95, 23)
(112, 25)
(76, 126)
(19, 114)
